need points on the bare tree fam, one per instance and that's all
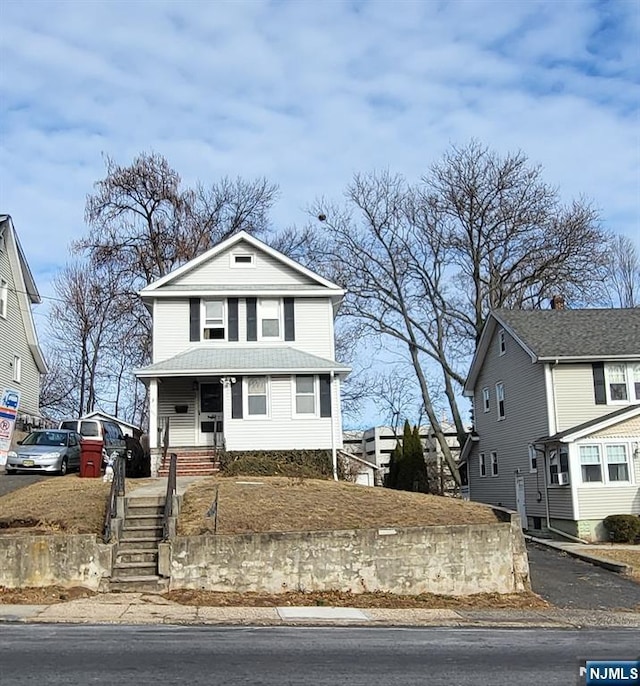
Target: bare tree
(424, 264)
(622, 281)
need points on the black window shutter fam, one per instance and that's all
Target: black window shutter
(233, 318)
(289, 320)
(598, 383)
(194, 319)
(252, 319)
(236, 398)
(325, 395)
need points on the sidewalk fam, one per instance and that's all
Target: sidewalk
(140, 608)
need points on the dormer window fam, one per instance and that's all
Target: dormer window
(242, 259)
(213, 320)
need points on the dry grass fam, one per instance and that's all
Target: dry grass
(65, 504)
(627, 556)
(270, 504)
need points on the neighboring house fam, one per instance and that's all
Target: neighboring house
(556, 403)
(377, 443)
(357, 469)
(125, 427)
(21, 359)
(243, 353)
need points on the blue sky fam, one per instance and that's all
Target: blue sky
(306, 94)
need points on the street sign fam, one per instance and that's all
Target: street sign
(9, 403)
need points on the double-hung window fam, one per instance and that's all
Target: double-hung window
(617, 463)
(590, 464)
(483, 464)
(306, 401)
(502, 343)
(616, 375)
(4, 296)
(257, 395)
(213, 320)
(494, 464)
(500, 400)
(269, 319)
(485, 400)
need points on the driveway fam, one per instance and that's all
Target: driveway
(567, 582)
(16, 481)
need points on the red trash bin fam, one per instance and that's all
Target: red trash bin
(90, 459)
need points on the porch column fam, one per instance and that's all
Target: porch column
(153, 414)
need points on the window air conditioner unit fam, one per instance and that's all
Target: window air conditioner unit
(563, 478)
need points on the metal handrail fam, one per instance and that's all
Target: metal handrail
(165, 438)
(117, 490)
(171, 491)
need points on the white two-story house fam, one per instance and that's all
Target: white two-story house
(556, 402)
(243, 354)
(21, 359)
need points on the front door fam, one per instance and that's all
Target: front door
(210, 415)
(520, 501)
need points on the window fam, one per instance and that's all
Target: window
(559, 466)
(616, 376)
(533, 459)
(636, 381)
(269, 315)
(494, 464)
(617, 463)
(500, 400)
(590, 463)
(4, 296)
(483, 465)
(502, 343)
(213, 319)
(485, 399)
(305, 396)
(17, 368)
(242, 259)
(257, 396)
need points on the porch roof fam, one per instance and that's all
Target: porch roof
(242, 360)
(586, 428)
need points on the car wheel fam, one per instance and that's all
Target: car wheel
(63, 467)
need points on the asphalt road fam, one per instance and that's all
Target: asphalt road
(12, 482)
(571, 583)
(68, 654)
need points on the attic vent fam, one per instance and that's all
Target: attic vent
(242, 259)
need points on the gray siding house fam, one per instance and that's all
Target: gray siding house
(556, 403)
(21, 360)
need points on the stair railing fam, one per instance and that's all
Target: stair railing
(171, 491)
(117, 490)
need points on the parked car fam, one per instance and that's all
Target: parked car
(107, 433)
(46, 450)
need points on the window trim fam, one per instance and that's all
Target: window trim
(482, 465)
(244, 264)
(203, 320)
(4, 298)
(316, 398)
(502, 342)
(500, 403)
(629, 373)
(17, 369)
(245, 398)
(604, 465)
(280, 336)
(486, 399)
(494, 463)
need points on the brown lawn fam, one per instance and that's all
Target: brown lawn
(627, 556)
(264, 504)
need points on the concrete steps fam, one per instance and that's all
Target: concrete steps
(139, 584)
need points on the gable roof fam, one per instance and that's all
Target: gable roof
(25, 287)
(229, 243)
(563, 336)
(110, 417)
(587, 428)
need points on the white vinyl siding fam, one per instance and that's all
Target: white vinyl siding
(278, 431)
(182, 426)
(170, 328)
(266, 270)
(314, 326)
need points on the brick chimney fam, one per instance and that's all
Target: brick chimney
(557, 302)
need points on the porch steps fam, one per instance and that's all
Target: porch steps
(192, 463)
(136, 564)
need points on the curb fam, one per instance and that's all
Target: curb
(617, 567)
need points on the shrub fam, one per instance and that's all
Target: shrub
(309, 464)
(623, 528)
